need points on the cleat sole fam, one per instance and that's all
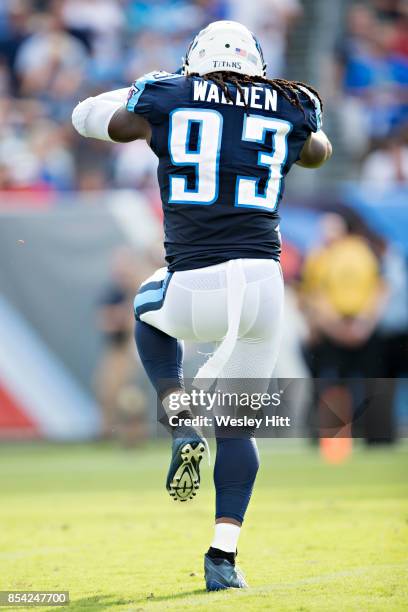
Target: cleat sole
(186, 480)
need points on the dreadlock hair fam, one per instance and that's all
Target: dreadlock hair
(289, 89)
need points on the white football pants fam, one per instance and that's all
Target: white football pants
(238, 304)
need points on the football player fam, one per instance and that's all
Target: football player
(225, 136)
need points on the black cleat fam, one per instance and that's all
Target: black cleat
(183, 478)
(220, 574)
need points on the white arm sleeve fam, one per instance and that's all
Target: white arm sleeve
(91, 117)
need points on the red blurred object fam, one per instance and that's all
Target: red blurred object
(14, 421)
(39, 196)
(291, 262)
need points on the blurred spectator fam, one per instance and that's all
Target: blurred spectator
(55, 160)
(116, 321)
(16, 30)
(387, 164)
(146, 54)
(91, 19)
(142, 175)
(341, 285)
(99, 24)
(344, 297)
(50, 65)
(373, 75)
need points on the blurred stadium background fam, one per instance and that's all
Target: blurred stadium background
(80, 221)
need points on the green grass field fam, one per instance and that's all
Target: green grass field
(97, 521)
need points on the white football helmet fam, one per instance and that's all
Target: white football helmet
(225, 45)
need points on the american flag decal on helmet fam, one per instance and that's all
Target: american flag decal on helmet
(240, 52)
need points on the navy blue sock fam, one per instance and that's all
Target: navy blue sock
(235, 470)
(161, 356)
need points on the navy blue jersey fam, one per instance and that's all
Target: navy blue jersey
(221, 170)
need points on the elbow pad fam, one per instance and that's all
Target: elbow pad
(91, 117)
